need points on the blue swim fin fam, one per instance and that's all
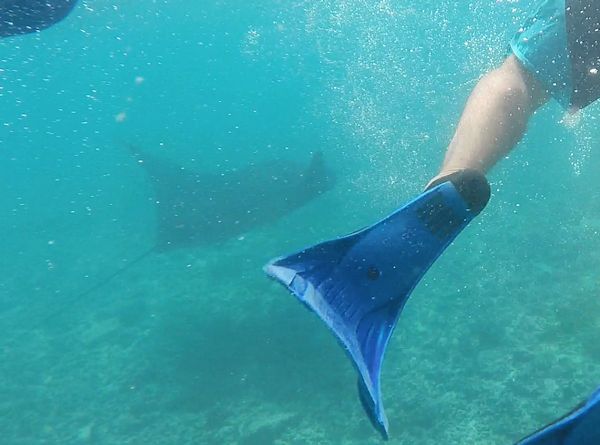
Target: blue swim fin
(580, 427)
(358, 284)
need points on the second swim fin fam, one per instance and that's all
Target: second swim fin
(579, 427)
(359, 284)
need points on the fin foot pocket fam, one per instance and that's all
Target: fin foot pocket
(472, 186)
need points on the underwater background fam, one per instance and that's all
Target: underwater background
(196, 345)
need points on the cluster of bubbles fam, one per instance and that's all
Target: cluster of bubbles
(395, 76)
(583, 127)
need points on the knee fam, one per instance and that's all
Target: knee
(516, 86)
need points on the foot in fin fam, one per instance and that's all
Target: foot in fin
(580, 427)
(358, 284)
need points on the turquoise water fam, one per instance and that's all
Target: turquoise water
(195, 345)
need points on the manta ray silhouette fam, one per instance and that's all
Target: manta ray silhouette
(196, 208)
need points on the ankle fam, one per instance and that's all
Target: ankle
(471, 184)
(441, 177)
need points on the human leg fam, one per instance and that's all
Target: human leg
(494, 119)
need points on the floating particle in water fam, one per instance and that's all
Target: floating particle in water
(251, 42)
(253, 37)
(121, 117)
(571, 119)
(139, 80)
(85, 433)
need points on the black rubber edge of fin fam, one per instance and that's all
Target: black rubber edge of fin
(367, 404)
(472, 186)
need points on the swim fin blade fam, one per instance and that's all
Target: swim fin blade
(358, 284)
(579, 427)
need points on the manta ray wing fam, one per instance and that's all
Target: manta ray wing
(202, 208)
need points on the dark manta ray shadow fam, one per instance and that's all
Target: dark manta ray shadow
(200, 208)
(195, 208)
